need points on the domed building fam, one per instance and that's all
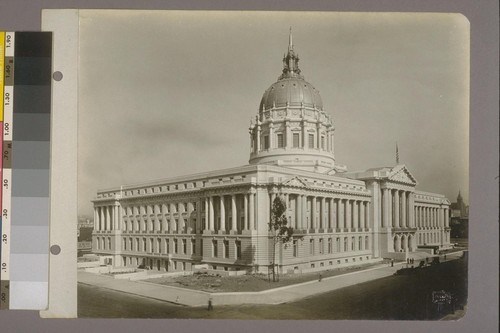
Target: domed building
(219, 220)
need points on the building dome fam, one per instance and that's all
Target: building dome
(291, 128)
(292, 91)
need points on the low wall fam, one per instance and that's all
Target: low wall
(147, 276)
(88, 264)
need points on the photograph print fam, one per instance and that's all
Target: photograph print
(273, 165)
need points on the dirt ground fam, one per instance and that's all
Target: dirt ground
(250, 282)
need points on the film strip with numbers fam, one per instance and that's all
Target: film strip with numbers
(25, 168)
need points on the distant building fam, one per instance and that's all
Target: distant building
(220, 218)
(459, 215)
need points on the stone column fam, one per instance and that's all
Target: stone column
(355, 214)
(288, 139)
(348, 214)
(96, 219)
(251, 214)
(390, 209)
(362, 223)
(108, 219)
(313, 218)
(115, 216)
(446, 218)
(411, 209)
(271, 136)
(331, 220)
(341, 213)
(305, 137)
(403, 209)
(385, 207)
(318, 135)
(211, 214)
(367, 217)
(233, 213)
(396, 209)
(303, 223)
(245, 208)
(258, 147)
(223, 225)
(298, 212)
(323, 215)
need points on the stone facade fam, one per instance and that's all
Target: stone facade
(220, 219)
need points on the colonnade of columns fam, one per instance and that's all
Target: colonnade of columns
(432, 217)
(323, 213)
(232, 212)
(271, 129)
(106, 218)
(397, 208)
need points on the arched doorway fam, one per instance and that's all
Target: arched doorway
(403, 243)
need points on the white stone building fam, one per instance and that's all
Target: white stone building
(220, 218)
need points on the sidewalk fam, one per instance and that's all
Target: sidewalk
(271, 296)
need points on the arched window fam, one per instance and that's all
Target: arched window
(346, 244)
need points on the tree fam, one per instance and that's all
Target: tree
(281, 233)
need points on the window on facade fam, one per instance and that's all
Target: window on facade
(360, 243)
(295, 248)
(193, 246)
(158, 245)
(311, 246)
(311, 140)
(366, 243)
(323, 142)
(353, 244)
(346, 244)
(130, 242)
(330, 245)
(176, 224)
(174, 250)
(144, 245)
(296, 140)
(337, 244)
(214, 248)
(167, 245)
(321, 249)
(124, 244)
(238, 249)
(201, 247)
(204, 223)
(151, 248)
(137, 248)
(266, 141)
(184, 246)
(281, 142)
(226, 249)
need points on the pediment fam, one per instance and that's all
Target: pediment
(295, 182)
(401, 174)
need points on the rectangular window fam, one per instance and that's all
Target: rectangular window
(311, 246)
(226, 248)
(214, 248)
(280, 140)
(158, 243)
(311, 140)
(330, 245)
(323, 142)
(337, 244)
(266, 141)
(295, 248)
(174, 250)
(321, 249)
(193, 246)
(238, 249)
(296, 140)
(167, 245)
(124, 244)
(184, 246)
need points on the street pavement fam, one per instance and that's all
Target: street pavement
(280, 295)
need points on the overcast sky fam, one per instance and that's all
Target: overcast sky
(164, 94)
